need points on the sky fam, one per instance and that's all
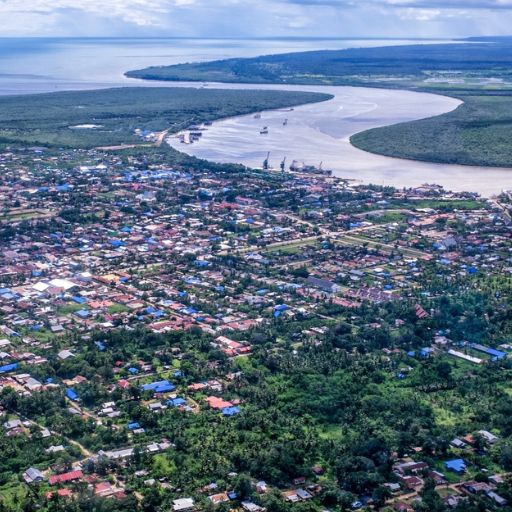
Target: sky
(256, 18)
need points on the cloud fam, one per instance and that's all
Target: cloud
(264, 18)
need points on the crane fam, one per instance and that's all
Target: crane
(266, 162)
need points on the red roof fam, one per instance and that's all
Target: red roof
(123, 383)
(102, 488)
(64, 493)
(217, 403)
(65, 477)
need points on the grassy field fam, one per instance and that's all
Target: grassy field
(51, 119)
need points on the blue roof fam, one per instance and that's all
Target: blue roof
(8, 367)
(457, 465)
(71, 394)
(498, 354)
(83, 313)
(100, 345)
(133, 426)
(176, 402)
(79, 300)
(163, 386)
(230, 411)
(133, 370)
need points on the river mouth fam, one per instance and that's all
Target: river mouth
(321, 132)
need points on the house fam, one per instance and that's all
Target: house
(180, 504)
(177, 402)
(249, 506)
(163, 386)
(409, 467)
(499, 500)
(291, 496)
(218, 498)
(438, 477)
(412, 482)
(323, 284)
(489, 438)
(392, 486)
(230, 411)
(476, 487)
(456, 466)
(261, 487)
(71, 394)
(218, 403)
(400, 506)
(104, 489)
(9, 425)
(33, 475)
(65, 354)
(65, 477)
(458, 443)
(304, 495)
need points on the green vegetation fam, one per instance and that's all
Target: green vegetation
(52, 119)
(476, 133)
(393, 66)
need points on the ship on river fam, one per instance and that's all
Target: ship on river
(302, 168)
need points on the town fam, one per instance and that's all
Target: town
(192, 336)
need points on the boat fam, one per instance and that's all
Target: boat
(301, 168)
(264, 130)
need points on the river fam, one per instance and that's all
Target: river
(314, 133)
(320, 133)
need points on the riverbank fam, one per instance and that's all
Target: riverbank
(478, 73)
(321, 133)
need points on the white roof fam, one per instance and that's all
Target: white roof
(40, 286)
(64, 354)
(62, 283)
(182, 503)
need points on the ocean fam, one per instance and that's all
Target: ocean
(33, 65)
